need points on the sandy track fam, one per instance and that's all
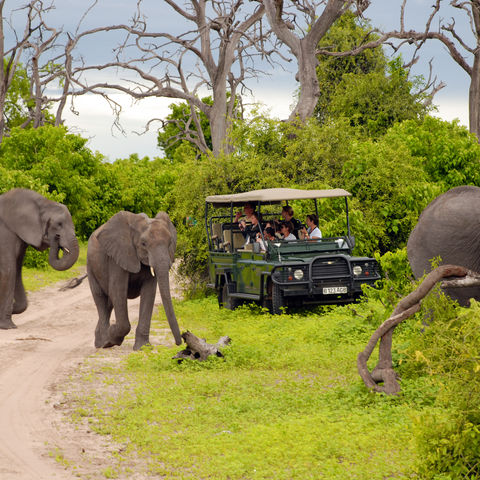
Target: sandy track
(54, 335)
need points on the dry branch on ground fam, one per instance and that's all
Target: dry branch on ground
(199, 349)
(384, 372)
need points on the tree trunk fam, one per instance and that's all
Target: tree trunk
(309, 87)
(474, 97)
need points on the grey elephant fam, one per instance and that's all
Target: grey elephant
(28, 218)
(449, 228)
(127, 256)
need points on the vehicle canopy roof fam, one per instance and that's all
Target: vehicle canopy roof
(273, 195)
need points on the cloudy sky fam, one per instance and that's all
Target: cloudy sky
(94, 119)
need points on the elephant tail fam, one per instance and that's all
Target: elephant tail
(74, 282)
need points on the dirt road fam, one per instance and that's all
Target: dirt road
(54, 336)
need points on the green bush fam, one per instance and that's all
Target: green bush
(446, 354)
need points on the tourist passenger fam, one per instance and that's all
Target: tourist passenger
(287, 214)
(269, 235)
(286, 230)
(312, 232)
(250, 231)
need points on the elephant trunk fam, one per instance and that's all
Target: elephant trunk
(164, 287)
(70, 253)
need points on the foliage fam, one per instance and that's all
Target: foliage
(58, 163)
(19, 102)
(447, 354)
(172, 137)
(367, 89)
(142, 183)
(346, 33)
(375, 101)
(391, 188)
(448, 153)
(16, 102)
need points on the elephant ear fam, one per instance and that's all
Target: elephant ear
(163, 216)
(115, 237)
(21, 214)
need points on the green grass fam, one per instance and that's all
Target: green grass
(286, 402)
(35, 279)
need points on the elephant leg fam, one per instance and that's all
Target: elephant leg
(118, 288)
(104, 310)
(147, 299)
(7, 289)
(20, 298)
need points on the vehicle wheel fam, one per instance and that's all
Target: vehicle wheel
(230, 303)
(278, 300)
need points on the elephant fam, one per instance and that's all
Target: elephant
(127, 256)
(449, 228)
(28, 218)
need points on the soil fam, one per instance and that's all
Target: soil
(43, 358)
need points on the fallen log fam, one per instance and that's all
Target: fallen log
(199, 349)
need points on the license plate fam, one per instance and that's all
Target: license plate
(334, 290)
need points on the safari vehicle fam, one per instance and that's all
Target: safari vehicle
(297, 272)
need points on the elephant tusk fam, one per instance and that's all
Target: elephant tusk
(152, 271)
(65, 249)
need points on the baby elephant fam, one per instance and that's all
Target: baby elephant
(126, 258)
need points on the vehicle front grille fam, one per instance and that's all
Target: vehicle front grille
(330, 268)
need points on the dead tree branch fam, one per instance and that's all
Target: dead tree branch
(199, 349)
(384, 372)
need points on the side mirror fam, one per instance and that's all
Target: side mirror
(351, 241)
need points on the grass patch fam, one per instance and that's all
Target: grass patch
(286, 401)
(36, 279)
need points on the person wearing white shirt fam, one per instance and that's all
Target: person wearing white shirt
(287, 231)
(312, 232)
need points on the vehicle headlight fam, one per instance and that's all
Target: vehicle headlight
(357, 270)
(298, 274)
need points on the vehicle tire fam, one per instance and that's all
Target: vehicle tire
(278, 300)
(230, 303)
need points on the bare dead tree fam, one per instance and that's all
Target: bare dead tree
(384, 373)
(300, 26)
(216, 55)
(33, 49)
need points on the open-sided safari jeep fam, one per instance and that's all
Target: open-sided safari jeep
(297, 272)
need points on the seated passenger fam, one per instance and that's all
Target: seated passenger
(312, 232)
(248, 210)
(287, 231)
(287, 214)
(269, 235)
(250, 231)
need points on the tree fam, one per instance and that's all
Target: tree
(178, 129)
(285, 20)
(374, 101)
(215, 54)
(26, 52)
(348, 31)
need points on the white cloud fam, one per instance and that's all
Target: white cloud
(95, 122)
(451, 108)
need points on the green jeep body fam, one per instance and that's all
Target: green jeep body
(288, 273)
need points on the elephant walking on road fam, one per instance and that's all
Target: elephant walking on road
(449, 228)
(28, 218)
(126, 258)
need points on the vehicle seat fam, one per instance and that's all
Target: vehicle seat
(217, 236)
